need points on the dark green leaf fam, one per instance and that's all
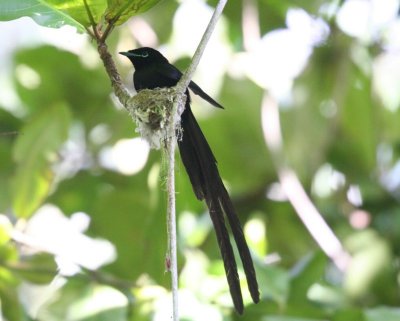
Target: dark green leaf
(33, 152)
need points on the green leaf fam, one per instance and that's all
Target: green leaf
(40, 12)
(274, 283)
(33, 153)
(9, 129)
(73, 84)
(136, 227)
(39, 269)
(5, 230)
(57, 13)
(123, 10)
(10, 306)
(8, 253)
(371, 255)
(359, 123)
(307, 272)
(76, 9)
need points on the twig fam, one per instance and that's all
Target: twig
(306, 210)
(111, 22)
(119, 89)
(109, 27)
(178, 106)
(91, 19)
(10, 133)
(187, 76)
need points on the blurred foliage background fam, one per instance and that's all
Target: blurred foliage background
(82, 199)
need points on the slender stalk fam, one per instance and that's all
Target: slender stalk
(187, 76)
(171, 225)
(11, 133)
(92, 22)
(297, 196)
(177, 109)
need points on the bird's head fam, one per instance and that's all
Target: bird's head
(144, 56)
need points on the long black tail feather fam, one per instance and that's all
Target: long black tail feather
(201, 167)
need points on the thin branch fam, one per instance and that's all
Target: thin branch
(109, 28)
(119, 89)
(91, 19)
(187, 76)
(90, 32)
(306, 210)
(11, 133)
(177, 109)
(113, 20)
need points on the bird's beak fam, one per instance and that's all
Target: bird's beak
(125, 53)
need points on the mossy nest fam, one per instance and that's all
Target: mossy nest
(151, 110)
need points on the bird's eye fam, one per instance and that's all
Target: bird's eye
(145, 54)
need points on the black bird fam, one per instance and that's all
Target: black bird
(152, 70)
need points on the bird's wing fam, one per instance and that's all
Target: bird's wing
(172, 75)
(169, 73)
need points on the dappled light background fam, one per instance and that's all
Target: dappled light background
(307, 145)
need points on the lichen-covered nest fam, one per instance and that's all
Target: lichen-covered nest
(151, 110)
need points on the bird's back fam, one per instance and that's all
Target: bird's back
(156, 76)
